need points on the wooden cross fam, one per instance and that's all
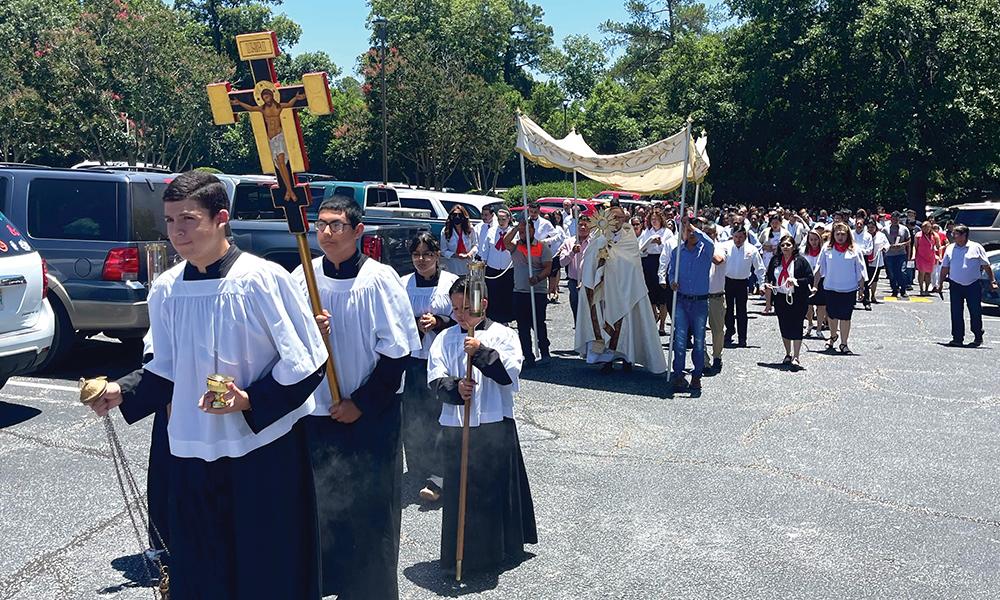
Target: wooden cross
(273, 110)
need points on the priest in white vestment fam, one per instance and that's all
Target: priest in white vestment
(615, 319)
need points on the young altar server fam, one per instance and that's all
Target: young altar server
(355, 445)
(242, 513)
(500, 515)
(427, 288)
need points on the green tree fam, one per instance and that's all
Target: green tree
(606, 123)
(580, 65)
(653, 27)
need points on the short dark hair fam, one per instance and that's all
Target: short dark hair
(738, 229)
(461, 286)
(788, 238)
(532, 204)
(343, 204)
(962, 229)
(425, 238)
(204, 188)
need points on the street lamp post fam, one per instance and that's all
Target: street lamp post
(565, 122)
(382, 24)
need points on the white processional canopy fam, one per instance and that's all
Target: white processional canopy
(656, 168)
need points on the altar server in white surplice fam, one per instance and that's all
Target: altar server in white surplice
(355, 446)
(242, 512)
(427, 288)
(615, 320)
(500, 514)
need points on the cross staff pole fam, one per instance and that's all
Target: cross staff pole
(680, 239)
(278, 135)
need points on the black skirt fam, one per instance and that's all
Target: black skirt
(500, 514)
(500, 292)
(819, 297)
(791, 316)
(840, 305)
(650, 272)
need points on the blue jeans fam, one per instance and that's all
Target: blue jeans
(962, 296)
(894, 269)
(690, 317)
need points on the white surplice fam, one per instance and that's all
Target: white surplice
(433, 300)
(369, 315)
(245, 325)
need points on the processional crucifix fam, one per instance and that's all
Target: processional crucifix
(273, 111)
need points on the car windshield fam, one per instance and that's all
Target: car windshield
(605, 196)
(977, 217)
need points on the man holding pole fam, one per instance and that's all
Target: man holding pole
(355, 442)
(499, 516)
(688, 273)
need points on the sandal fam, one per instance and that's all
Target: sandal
(797, 365)
(833, 340)
(845, 350)
(788, 360)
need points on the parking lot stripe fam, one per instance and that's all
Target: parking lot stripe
(44, 386)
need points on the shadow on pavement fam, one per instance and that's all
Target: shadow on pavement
(575, 372)
(136, 576)
(15, 414)
(430, 576)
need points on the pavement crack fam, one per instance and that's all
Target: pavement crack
(49, 443)
(773, 471)
(10, 586)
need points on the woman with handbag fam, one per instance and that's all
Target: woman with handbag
(787, 277)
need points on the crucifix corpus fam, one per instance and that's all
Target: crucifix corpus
(273, 112)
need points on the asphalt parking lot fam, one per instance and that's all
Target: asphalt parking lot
(867, 476)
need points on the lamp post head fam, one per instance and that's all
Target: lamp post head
(565, 103)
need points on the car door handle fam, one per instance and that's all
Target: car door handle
(9, 280)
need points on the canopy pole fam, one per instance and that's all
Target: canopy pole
(575, 196)
(680, 242)
(527, 231)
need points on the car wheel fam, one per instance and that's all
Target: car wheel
(62, 339)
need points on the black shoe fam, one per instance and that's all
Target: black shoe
(529, 363)
(626, 366)
(546, 355)
(717, 365)
(903, 294)
(955, 343)
(977, 342)
(679, 384)
(608, 367)
(741, 344)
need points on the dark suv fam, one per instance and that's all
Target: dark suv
(92, 228)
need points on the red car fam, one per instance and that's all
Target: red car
(547, 205)
(617, 195)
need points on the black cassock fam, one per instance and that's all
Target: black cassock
(358, 471)
(159, 464)
(500, 513)
(240, 528)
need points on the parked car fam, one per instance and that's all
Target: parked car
(92, 227)
(26, 320)
(441, 203)
(587, 207)
(259, 227)
(983, 221)
(629, 200)
(990, 296)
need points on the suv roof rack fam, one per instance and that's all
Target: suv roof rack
(125, 168)
(17, 165)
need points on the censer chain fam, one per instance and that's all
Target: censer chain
(129, 489)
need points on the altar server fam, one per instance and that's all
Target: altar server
(500, 516)
(427, 288)
(242, 513)
(355, 445)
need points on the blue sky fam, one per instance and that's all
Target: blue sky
(341, 31)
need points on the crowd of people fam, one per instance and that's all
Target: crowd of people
(289, 484)
(811, 268)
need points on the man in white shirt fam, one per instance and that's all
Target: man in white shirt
(483, 229)
(963, 262)
(544, 229)
(717, 299)
(569, 216)
(743, 260)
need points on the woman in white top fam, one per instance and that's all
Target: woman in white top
(651, 244)
(769, 238)
(458, 241)
(499, 275)
(427, 288)
(811, 248)
(555, 240)
(842, 268)
(874, 261)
